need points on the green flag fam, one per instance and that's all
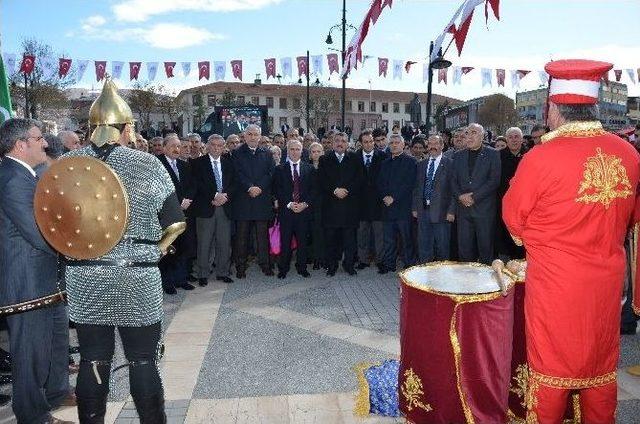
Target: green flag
(5, 98)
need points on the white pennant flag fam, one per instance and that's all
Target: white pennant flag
(544, 77)
(186, 68)
(285, 65)
(457, 75)
(219, 70)
(152, 69)
(49, 67)
(9, 60)
(486, 77)
(397, 69)
(116, 69)
(632, 75)
(316, 64)
(515, 79)
(82, 67)
(425, 72)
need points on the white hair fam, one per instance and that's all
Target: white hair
(514, 129)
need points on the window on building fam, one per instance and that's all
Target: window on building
(360, 106)
(196, 99)
(385, 107)
(211, 100)
(372, 107)
(296, 103)
(349, 105)
(270, 102)
(255, 100)
(296, 121)
(374, 123)
(283, 103)
(283, 120)
(407, 108)
(396, 108)
(363, 124)
(270, 122)
(240, 100)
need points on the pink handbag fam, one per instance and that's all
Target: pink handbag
(274, 239)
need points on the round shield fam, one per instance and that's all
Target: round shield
(81, 207)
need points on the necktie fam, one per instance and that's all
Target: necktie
(367, 160)
(428, 182)
(216, 174)
(339, 158)
(174, 166)
(296, 183)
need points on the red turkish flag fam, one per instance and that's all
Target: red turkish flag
(461, 34)
(236, 69)
(466, 69)
(270, 67)
(495, 6)
(500, 74)
(618, 73)
(374, 12)
(203, 70)
(168, 68)
(522, 73)
(407, 65)
(383, 66)
(63, 67)
(386, 3)
(442, 76)
(28, 62)
(134, 70)
(101, 67)
(303, 66)
(332, 59)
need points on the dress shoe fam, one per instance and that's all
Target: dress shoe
(331, 272)
(627, 330)
(351, 271)
(4, 400)
(225, 280)
(186, 286)
(203, 282)
(304, 273)
(5, 379)
(170, 290)
(192, 279)
(240, 274)
(282, 275)
(316, 265)
(362, 266)
(53, 420)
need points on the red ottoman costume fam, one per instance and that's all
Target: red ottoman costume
(571, 202)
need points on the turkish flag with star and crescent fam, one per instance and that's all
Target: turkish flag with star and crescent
(332, 59)
(168, 68)
(236, 69)
(101, 67)
(203, 70)
(28, 62)
(63, 67)
(134, 70)
(383, 66)
(270, 67)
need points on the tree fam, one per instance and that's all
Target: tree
(167, 104)
(228, 98)
(322, 104)
(143, 100)
(45, 93)
(498, 113)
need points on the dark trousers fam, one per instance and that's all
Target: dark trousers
(391, 231)
(290, 227)
(241, 244)
(433, 240)
(39, 343)
(475, 238)
(339, 241)
(141, 347)
(317, 236)
(174, 268)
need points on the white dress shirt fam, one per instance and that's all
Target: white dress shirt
(294, 163)
(365, 155)
(215, 163)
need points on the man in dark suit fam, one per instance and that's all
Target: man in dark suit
(476, 177)
(340, 178)
(38, 339)
(293, 188)
(395, 187)
(173, 268)
(253, 167)
(212, 193)
(433, 204)
(370, 227)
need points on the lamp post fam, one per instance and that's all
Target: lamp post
(343, 25)
(438, 63)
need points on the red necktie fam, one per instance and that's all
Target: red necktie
(296, 183)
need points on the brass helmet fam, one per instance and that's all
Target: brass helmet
(107, 110)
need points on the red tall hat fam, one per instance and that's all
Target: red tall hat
(575, 81)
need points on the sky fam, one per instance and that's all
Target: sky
(529, 34)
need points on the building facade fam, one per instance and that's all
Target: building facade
(287, 104)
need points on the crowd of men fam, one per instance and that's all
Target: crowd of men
(380, 199)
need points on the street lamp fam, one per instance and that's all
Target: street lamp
(438, 63)
(343, 26)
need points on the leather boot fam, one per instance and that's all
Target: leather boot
(91, 410)
(151, 409)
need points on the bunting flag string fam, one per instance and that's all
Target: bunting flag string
(168, 69)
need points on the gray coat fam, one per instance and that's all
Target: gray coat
(483, 182)
(28, 266)
(253, 170)
(442, 200)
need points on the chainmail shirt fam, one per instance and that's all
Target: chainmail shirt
(125, 296)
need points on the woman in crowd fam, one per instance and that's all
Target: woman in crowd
(317, 237)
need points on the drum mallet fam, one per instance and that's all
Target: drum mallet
(498, 267)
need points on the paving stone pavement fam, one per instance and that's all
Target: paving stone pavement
(264, 350)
